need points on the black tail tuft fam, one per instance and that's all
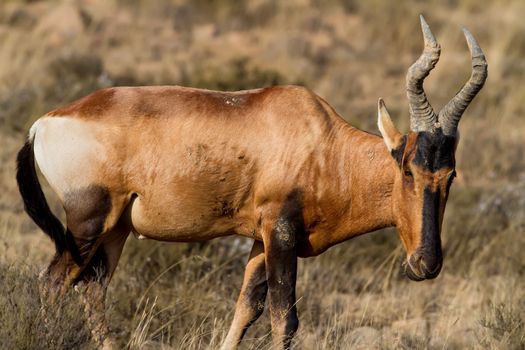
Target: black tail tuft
(34, 199)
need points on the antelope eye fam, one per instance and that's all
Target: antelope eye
(408, 173)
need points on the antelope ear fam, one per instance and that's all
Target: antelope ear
(391, 136)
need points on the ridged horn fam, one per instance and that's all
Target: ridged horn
(450, 115)
(422, 116)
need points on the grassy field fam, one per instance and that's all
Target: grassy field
(182, 296)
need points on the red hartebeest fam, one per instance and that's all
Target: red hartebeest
(277, 164)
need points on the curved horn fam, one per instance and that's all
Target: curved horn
(450, 115)
(422, 116)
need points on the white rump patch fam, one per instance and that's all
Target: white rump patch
(67, 152)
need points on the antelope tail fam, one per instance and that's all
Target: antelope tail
(35, 203)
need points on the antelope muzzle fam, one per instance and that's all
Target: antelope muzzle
(424, 264)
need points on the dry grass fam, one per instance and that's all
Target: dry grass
(351, 53)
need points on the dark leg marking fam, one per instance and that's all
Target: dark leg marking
(87, 210)
(281, 268)
(99, 248)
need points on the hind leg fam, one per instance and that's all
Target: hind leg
(93, 279)
(91, 213)
(96, 237)
(96, 277)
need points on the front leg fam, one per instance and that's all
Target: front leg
(250, 304)
(280, 244)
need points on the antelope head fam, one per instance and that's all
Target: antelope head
(426, 157)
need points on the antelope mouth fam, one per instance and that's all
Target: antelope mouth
(412, 273)
(421, 272)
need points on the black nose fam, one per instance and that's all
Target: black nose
(422, 266)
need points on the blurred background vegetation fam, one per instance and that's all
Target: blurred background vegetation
(349, 52)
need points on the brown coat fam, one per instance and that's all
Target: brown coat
(189, 164)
